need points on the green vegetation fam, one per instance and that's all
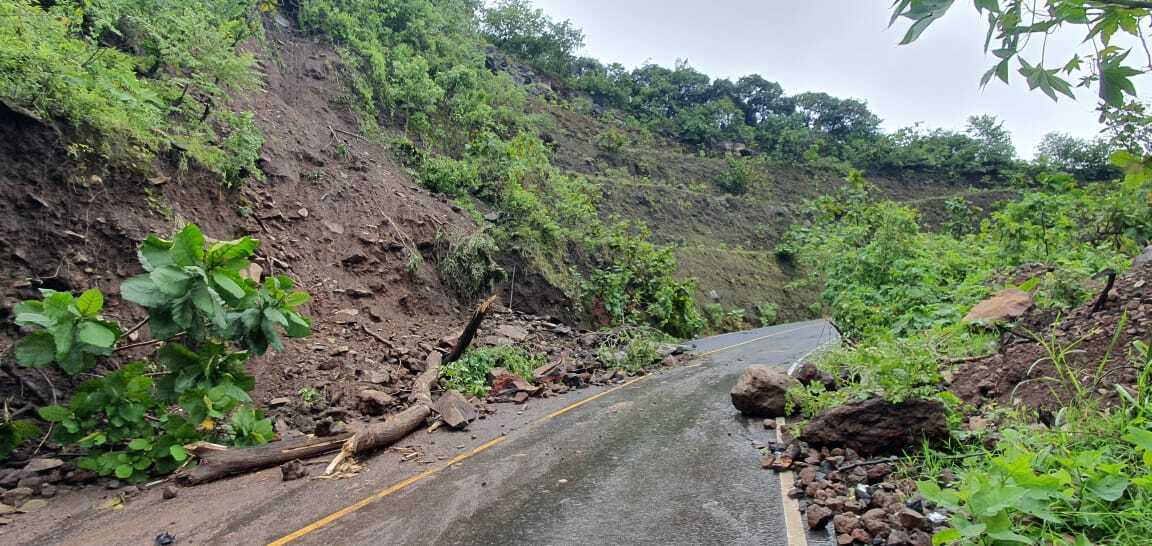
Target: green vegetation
(898, 292)
(469, 375)
(137, 77)
(468, 133)
(133, 421)
(633, 349)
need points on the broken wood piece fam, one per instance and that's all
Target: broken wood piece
(217, 462)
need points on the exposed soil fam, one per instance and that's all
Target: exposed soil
(1095, 347)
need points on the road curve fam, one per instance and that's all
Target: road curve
(665, 460)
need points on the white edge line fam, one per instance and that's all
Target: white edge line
(793, 526)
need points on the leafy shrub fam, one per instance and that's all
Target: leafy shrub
(132, 425)
(136, 75)
(467, 263)
(449, 176)
(611, 141)
(738, 177)
(469, 374)
(632, 348)
(65, 330)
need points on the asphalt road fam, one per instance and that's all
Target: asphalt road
(665, 460)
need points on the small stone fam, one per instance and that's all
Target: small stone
(875, 521)
(911, 519)
(877, 473)
(6, 509)
(33, 505)
(899, 538)
(303, 212)
(817, 516)
(512, 332)
(920, 538)
(373, 402)
(169, 492)
(42, 464)
(844, 540)
(16, 496)
(281, 401)
(47, 490)
(769, 424)
(861, 536)
(845, 523)
(293, 470)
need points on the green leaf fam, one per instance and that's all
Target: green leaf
(1140, 438)
(172, 280)
(946, 536)
(124, 471)
(96, 334)
(90, 302)
(178, 453)
(296, 299)
(298, 325)
(142, 291)
(188, 247)
(153, 253)
(229, 286)
(1108, 488)
(54, 414)
(140, 444)
(35, 350)
(230, 252)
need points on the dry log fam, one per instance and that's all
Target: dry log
(216, 463)
(378, 436)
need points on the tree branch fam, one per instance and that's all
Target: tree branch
(1125, 3)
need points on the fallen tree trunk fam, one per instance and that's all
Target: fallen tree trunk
(381, 435)
(217, 462)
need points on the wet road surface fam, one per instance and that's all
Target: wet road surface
(665, 460)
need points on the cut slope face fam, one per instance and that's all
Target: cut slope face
(335, 213)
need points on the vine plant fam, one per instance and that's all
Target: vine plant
(207, 318)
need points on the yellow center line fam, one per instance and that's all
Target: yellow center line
(401, 485)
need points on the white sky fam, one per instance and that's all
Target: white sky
(841, 47)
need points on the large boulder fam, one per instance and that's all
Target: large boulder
(876, 426)
(1006, 306)
(762, 392)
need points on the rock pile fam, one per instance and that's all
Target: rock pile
(862, 499)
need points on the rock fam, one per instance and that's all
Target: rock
(844, 540)
(47, 490)
(1144, 258)
(762, 392)
(937, 518)
(512, 332)
(7, 509)
(920, 538)
(31, 482)
(496, 341)
(169, 492)
(334, 227)
(293, 470)
(878, 472)
(889, 501)
(769, 424)
(33, 505)
(454, 410)
(806, 475)
(373, 402)
(845, 523)
(875, 521)
(808, 374)
(898, 538)
(280, 401)
(876, 426)
(42, 464)
(16, 496)
(1006, 306)
(817, 516)
(861, 536)
(504, 382)
(520, 397)
(379, 377)
(910, 519)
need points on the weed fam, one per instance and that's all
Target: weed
(469, 374)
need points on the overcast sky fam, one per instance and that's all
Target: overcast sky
(841, 47)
